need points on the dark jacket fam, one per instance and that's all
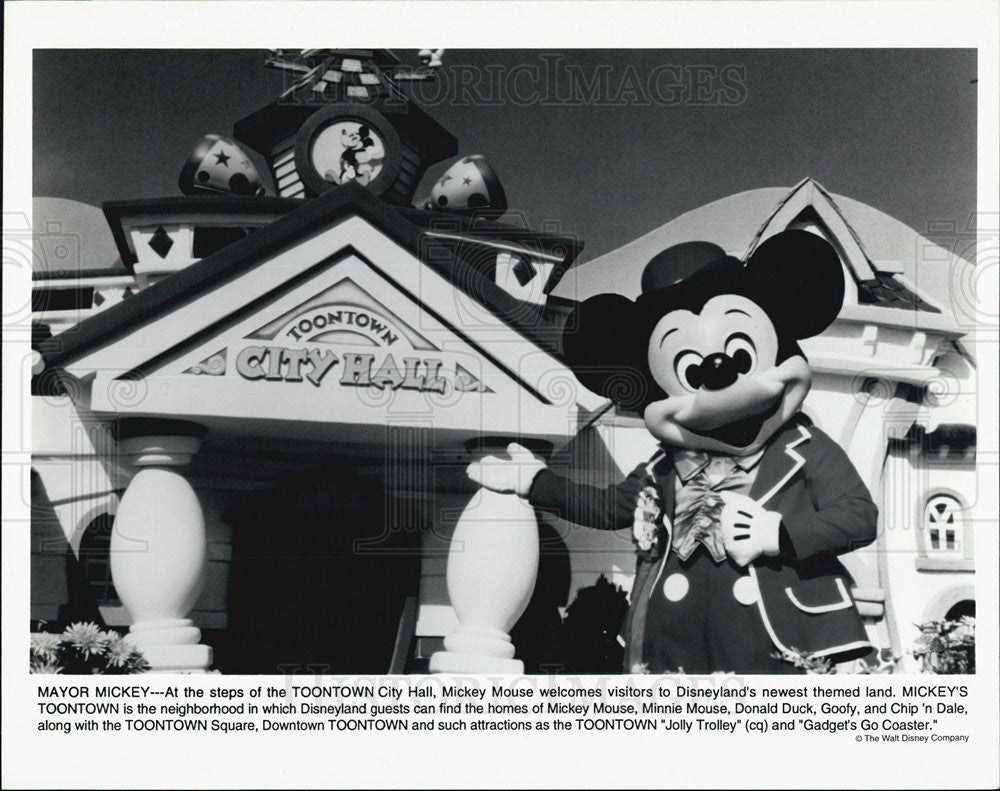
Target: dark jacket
(826, 511)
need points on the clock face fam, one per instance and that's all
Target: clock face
(348, 150)
(344, 143)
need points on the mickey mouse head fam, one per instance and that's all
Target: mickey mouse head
(709, 352)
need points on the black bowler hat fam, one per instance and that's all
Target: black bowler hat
(676, 264)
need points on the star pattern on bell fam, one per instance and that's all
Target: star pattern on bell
(469, 186)
(219, 165)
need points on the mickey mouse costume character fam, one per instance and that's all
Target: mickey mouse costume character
(739, 519)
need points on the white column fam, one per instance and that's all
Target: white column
(159, 553)
(492, 566)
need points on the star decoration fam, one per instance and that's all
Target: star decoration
(467, 181)
(222, 159)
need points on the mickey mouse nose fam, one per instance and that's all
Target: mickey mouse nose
(718, 371)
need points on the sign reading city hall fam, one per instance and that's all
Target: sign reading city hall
(295, 348)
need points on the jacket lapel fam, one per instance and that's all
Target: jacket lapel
(780, 462)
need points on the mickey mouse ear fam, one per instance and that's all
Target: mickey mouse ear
(798, 278)
(602, 344)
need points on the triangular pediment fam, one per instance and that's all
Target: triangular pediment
(809, 206)
(335, 320)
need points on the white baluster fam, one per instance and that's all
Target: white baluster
(159, 553)
(492, 566)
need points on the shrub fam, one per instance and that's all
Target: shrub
(947, 647)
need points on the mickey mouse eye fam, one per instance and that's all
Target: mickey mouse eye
(687, 366)
(740, 349)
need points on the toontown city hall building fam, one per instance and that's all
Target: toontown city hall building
(252, 413)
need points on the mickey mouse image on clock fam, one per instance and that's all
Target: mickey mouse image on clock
(360, 158)
(739, 519)
(345, 142)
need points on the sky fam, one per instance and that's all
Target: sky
(603, 144)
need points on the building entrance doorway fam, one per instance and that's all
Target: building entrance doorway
(321, 568)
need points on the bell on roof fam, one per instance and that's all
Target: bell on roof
(218, 165)
(469, 186)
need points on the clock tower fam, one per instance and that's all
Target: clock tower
(345, 118)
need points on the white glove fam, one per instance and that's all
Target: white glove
(748, 530)
(513, 475)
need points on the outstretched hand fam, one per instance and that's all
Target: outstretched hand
(507, 476)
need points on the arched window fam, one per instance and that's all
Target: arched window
(966, 608)
(944, 523)
(944, 534)
(95, 557)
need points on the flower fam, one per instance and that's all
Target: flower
(646, 524)
(45, 646)
(123, 658)
(137, 663)
(118, 651)
(87, 638)
(45, 666)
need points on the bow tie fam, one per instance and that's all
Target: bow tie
(689, 462)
